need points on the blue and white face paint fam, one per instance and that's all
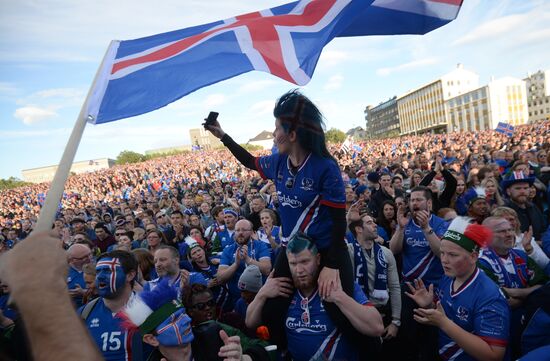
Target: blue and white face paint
(175, 330)
(110, 277)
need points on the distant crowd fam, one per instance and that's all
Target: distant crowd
(212, 228)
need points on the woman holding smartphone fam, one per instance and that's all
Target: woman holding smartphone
(311, 196)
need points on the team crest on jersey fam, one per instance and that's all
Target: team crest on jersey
(307, 184)
(279, 177)
(462, 313)
(94, 322)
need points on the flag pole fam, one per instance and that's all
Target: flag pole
(49, 210)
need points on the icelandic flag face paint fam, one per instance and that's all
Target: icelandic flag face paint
(110, 276)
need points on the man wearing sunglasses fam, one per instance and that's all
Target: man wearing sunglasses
(311, 333)
(201, 307)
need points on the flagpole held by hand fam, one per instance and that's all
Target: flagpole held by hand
(49, 209)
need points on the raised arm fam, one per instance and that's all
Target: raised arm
(43, 300)
(242, 155)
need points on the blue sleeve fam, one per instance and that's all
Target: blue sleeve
(536, 332)
(359, 295)
(197, 278)
(267, 166)
(440, 227)
(492, 322)
(227, 256)
(264, 251)
(382, 233)
(182, 248)
(546, 242)
(332, 186)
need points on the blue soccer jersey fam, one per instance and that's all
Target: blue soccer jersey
(226, 237)
(257, 250)
(114, 342)
(418, 259)
(76, 278)
(478, 307)
(311, 333)
(301, 196)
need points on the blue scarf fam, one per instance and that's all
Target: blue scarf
(380, 292)
(505, 279)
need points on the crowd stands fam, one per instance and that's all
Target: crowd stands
(428, 284)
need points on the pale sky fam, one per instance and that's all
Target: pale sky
(50, 51)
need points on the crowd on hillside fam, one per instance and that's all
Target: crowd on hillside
(210, 227)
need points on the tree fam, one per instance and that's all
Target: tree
(334, 135)
(251, 147)
(127, 156)
(11, 182)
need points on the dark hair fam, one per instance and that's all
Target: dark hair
(427, 192)
(177, 212)
(297, 113)
(192, 290)
(482, 172)
(198, 228)
(300, 242)
(103, 226)
(353, 224)
(216, 210)
(146, 262)
(161, 235)
(382, 221)
(127, 260)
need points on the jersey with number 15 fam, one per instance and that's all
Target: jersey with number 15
(114, 342)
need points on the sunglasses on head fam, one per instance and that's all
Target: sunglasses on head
(202, 305)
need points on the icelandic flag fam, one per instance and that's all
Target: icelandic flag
(141, 75)
(346, 146)
(40, 199)
(505, 128)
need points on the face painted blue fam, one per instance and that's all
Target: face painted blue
(110, 276)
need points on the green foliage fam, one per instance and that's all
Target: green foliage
(12, 182)
(251, 147)
(165, 154)
(127, 156)
(334, 135)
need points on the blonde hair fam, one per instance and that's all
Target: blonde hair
(507, 211)
(498, 198)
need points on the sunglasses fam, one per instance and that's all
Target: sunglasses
(120, 234)
(202, 305)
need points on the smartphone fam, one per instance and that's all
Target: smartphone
(212, 118)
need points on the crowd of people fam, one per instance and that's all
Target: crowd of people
(425, 247)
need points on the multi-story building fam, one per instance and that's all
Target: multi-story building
(502, 100)
(382, 121)
(203, 138)
(423, 109)
(538, 95)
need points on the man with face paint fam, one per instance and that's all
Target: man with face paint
(115, 274)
